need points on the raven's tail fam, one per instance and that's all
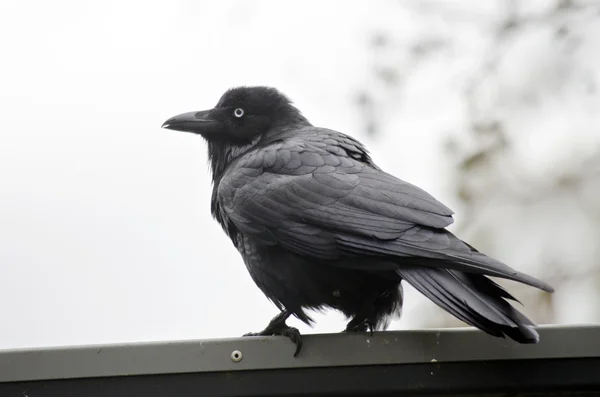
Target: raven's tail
(474, 299)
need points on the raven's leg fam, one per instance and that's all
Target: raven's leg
(359, 324)
(384, 300)
(277, 326)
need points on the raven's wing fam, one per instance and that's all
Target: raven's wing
(320, 196)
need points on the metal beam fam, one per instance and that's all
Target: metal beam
(459, 359)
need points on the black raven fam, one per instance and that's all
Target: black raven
(319, 225)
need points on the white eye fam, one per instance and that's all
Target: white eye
(239, 112)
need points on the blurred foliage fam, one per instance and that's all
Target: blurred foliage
(536, 65)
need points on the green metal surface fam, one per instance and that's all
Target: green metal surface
(324, 350)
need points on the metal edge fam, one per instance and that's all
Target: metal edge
(575, 376)
(319, 350)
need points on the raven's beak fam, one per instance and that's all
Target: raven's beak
(196, 122)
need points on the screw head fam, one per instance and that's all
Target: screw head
(236, 356)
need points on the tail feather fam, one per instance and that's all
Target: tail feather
(474, 299)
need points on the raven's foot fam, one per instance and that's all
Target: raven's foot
(284, 330)
(277, 326)
(359, 326)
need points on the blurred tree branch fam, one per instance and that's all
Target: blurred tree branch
(546, 43)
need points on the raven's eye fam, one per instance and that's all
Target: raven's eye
(239, 112)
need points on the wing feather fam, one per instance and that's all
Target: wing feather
(327, 202)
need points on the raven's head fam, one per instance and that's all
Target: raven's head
(241, 117)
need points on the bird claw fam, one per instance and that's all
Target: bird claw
(294, 336)
(284, 330)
